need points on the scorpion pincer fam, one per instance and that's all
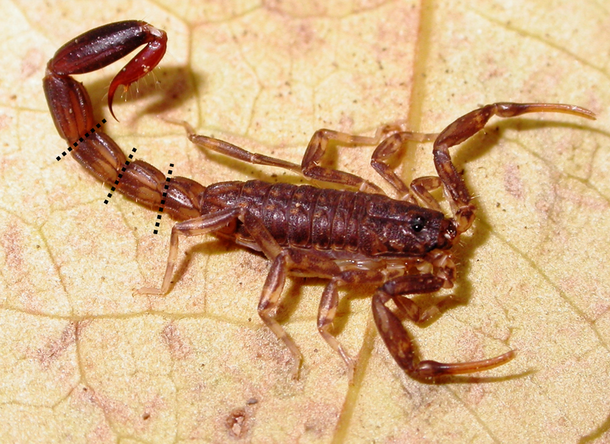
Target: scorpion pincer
(351, 236)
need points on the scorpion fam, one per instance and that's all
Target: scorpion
(355, 235)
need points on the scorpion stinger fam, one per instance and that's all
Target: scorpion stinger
(352, 236)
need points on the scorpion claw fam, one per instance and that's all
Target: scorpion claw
(434, 369)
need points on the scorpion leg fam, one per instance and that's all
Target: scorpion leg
(275, 280)
(230, 150)
(328, 309)
(390, 147)
(422, 186)
(399, 342)
(467, 126)
(285, 262)
(298, 262)
(326, 315)
(281, 268)
(269, 301)
(192, 227)
(309, 166)
(385, 150)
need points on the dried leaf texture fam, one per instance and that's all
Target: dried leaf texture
(83, 360)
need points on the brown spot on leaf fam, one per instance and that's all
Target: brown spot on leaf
(512, 181)
(237, 423)
(176, 344)
(12, 244)
(32, 62)
(55, 347)
(5, 121)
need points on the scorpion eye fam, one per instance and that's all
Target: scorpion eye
(417, 224)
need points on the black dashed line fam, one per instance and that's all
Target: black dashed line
(167, 180)
(116, 182)
(80, 140)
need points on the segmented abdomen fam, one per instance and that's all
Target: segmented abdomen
(298, 216)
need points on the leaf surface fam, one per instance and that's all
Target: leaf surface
(84, 360)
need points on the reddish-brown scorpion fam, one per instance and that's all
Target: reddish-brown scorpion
(403, 246)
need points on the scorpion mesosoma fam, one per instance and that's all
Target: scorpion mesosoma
(358, 236)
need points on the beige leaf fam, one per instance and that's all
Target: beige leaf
(83, 360)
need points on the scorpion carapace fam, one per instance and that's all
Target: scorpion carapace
(354, 236)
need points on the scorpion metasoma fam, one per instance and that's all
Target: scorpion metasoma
(358, 236)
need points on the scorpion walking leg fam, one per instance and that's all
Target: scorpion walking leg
(275, 280)
(285, 262)
(192, 227)
(422, 186)
(317, 147)
(467, 126)
(302, 263)
(208, 223)
(272, 290)
(326, 315)
(328, 309)
(319, 144)
(230, 150)
(399, 342)
(393, 147)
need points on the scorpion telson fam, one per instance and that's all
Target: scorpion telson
(353, 236)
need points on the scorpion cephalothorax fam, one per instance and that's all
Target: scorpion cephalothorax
(356, 236)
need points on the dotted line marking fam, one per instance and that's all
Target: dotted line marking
(75, 144)
(167, 180)
(116, 182)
